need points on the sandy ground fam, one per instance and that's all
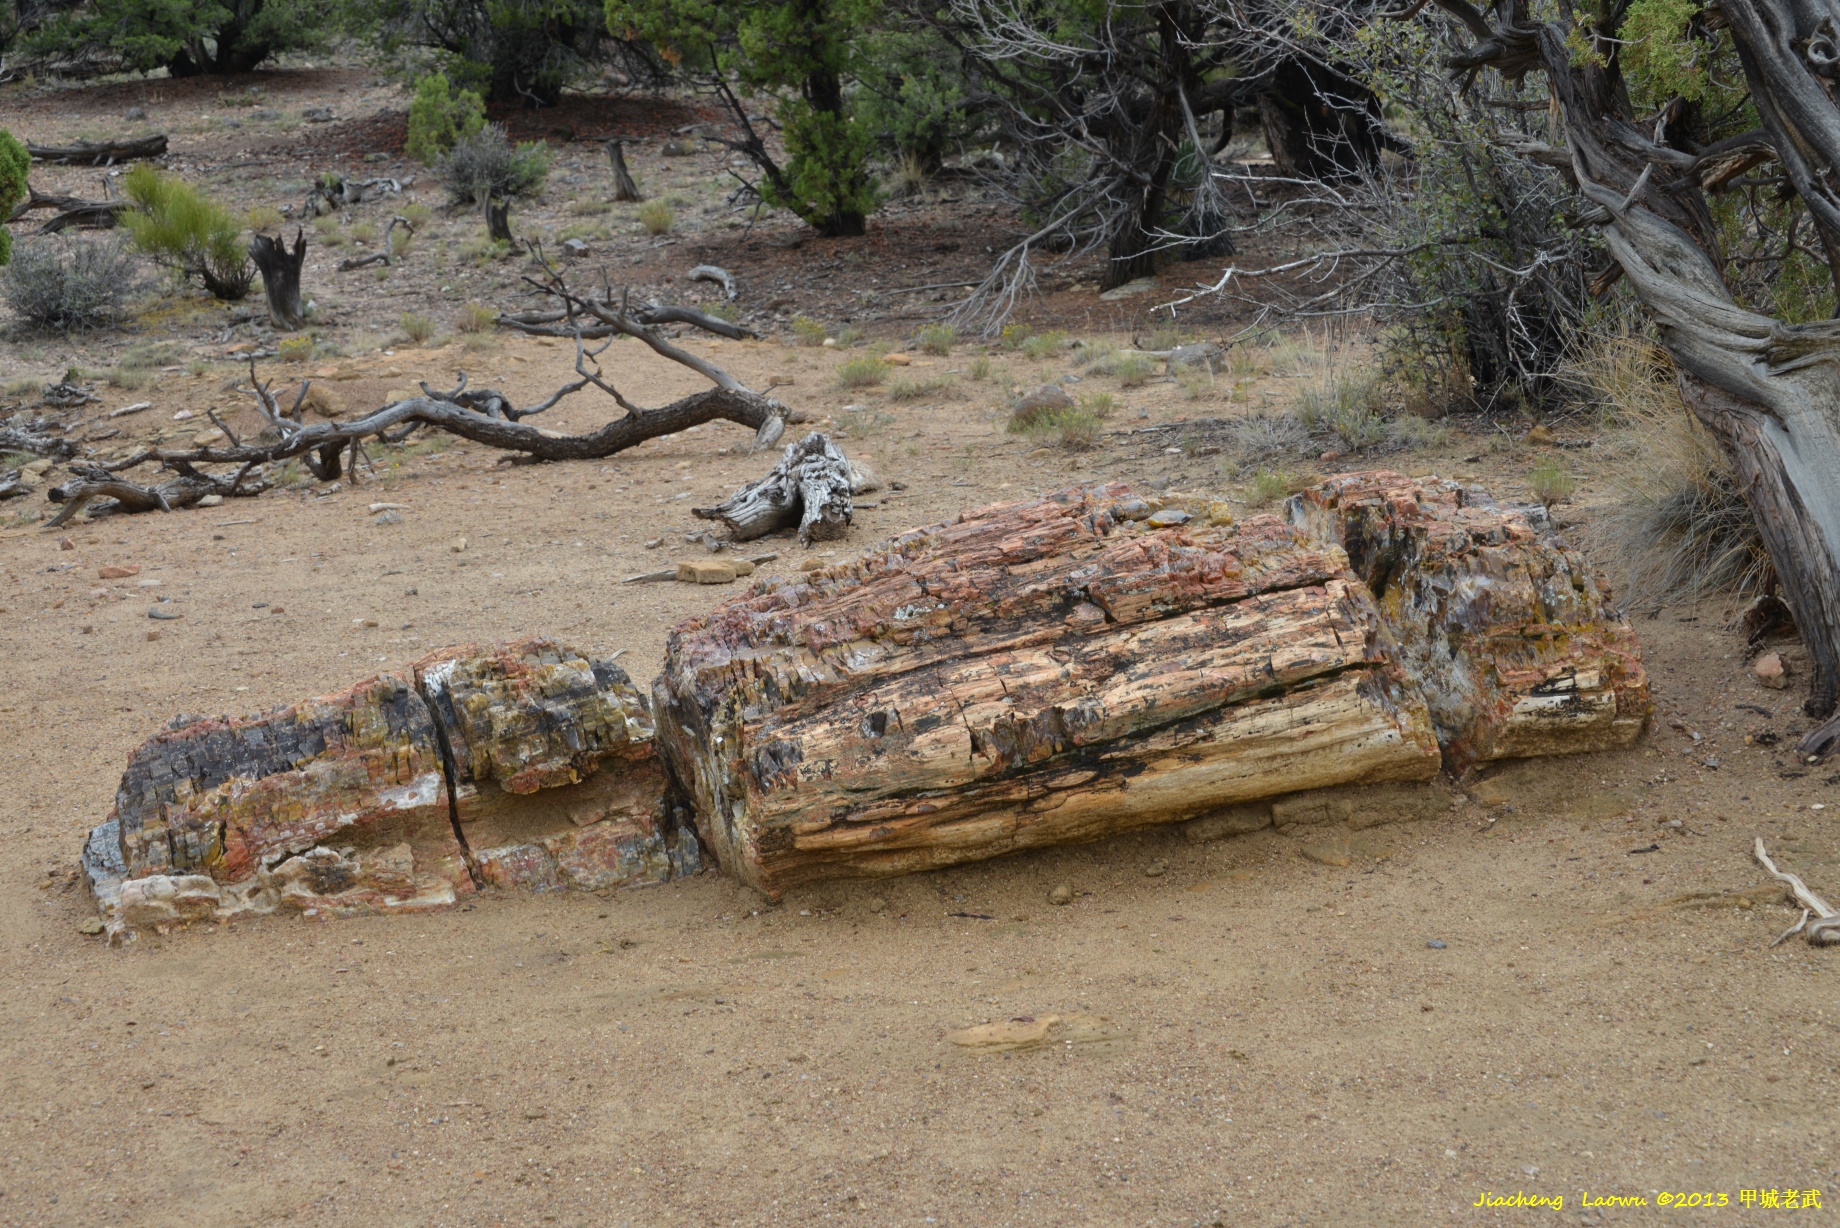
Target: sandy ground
(1282, 1045)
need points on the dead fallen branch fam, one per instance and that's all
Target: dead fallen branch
(35, 438)
(99, 153)
(330, 449)
(71, 211)
(720, 276)
(554, 323)
(810, 487)
(386, 255)
(1819, 923)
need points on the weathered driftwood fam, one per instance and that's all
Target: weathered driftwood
(71, 211)
(1033, 673)
(1504, 629)
(526, 764)
(809, 487)
(100, 153)
(1820, 921)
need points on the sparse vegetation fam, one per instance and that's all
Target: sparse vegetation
(294, 349)
(981, 367)
(265, 218)
(70, 285)
(1550, 482)
(483, 164)
(936, 339)
(910, 389)
(1043, 345)
(417, 327)
(1099, 404)
(807, 331)
(1073, 429)
(1131, 370)
(1271, 485)
(179, 228)
(473, 318)
(865, 372)
(657, 217)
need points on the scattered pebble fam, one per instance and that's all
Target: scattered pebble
(877, 904)
(1156, 869)
(164, 614)
(118, 573)
(1062, 894)
(457, 545)
(654, 543)
(90, 925)
(1437, 944)
(1770, 671)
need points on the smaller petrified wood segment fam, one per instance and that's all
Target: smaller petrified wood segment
(527, 764)
(1037, 672)
(1505, 629)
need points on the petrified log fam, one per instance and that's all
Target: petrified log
(1503, 628)
(366, 801)
(1059, 669)
(810, 487)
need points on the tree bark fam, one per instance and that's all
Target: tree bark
(1320, 123)
(498, 220)
(624, 189)
(280, 269)
(100, 153)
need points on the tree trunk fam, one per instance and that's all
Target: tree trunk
(624, 189)
(1320, 123)
(100, 153)
(280, 269)
(1063, 669)
(498, 220)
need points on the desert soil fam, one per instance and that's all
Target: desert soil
(1512, 997)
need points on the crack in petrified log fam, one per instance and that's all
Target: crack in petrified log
(347, 804)
(1058, 669)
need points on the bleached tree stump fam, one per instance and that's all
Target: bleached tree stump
(810, 487)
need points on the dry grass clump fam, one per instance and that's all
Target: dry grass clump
(862, 373)
(1679, 526)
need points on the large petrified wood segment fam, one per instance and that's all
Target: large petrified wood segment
(213, 813)
(365, 802)
(1505, 630)
(557, 781)
(1037, 672)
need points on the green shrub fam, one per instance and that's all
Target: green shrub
(294, 349)
(14, 161)
(1270, 485)
(1347, 408)
(656, 217)
(936, 339)
(84, 286)
(1132, 370)
(182, 230)
(905, 389)
(1550, 482)
(416, 326)
(980, 367)
(1098, 404)
(474, 318)
(484, 164)
(1042, 345)
(1013, 336)
(850, 335)
(439, 116)
(265, 217)
(1073, 429)
(417, 214)
(864, 372)
(807, 331)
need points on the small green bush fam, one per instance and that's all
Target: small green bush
(14, 162)
(416, 326)
(1099, 404)
(1550, 482)
(1132, 370)
(265, 217)
(905, 389)
(483, 164)
(807, 331)
(1043, 345)
(656, 217)
(1073, 429)
(1270, 485)
(474, 318)
(850, 335)
(936, 339)
(1013, 336)
(439, 116)
(181, 229)
(82, 286)
(981, 367)
(294, 349)
(863, 372)
(417, 214)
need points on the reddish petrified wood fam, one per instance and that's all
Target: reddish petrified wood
(1058, 669)
(1504, 629)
